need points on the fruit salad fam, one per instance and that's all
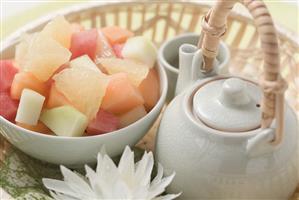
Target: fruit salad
(70, 81)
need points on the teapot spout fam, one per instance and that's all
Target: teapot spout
(186, 54)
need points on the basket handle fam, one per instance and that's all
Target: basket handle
(214, 26)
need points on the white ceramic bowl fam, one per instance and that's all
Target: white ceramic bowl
(168, 57)
(75, 151)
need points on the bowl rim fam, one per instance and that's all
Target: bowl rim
(13, 39)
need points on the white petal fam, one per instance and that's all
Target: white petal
(58, 186)
(75, 182)
(159, 175)
(158, 188)
(167, 197)
(143, 167)
(126, 166)
(93, 180)
(58, 196)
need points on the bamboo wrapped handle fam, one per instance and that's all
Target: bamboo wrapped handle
(214, 26)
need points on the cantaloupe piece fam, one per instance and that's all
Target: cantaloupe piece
(150, 89)
(60, 30)
(56, 98)
(132, 116)
(45, 56)
(24, 80)
(116, 35)
(141, 49)
(83, 87)
(65, 121)
(136, 71)
(121, 96)
(40, 127)
(30, 107)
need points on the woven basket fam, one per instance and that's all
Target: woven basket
(161, 21)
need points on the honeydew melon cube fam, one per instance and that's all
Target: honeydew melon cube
(132, 116)
(65, 121)
(29, 110)
(84, 61)
(141, 49)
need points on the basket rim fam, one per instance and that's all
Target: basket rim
(12, 38)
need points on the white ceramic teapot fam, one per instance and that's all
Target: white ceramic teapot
(221, 142)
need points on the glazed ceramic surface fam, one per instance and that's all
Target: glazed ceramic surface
(224, 164)
(168, 57)
(81, 150)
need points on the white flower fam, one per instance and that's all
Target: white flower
(127, 181)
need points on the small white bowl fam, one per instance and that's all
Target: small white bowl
(168, 57)
(75, 151)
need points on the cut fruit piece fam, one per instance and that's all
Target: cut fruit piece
(84, 61)
(136, 71)
(40, 128)
(77, 27)
(8, 106)
(7, 74)
(83, 87)
(150, 89)
(116, 35)
(117, 48)
(84, 42)
(56, 98)
(30, 107)
(141, 49)
(24, 80)
(103, 123)
(121, 96)
(65, 121)
(22, 49)
(132, 116)
(60, 30)
(45, 56)
(104, 49)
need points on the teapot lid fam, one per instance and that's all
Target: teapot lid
(229, 104)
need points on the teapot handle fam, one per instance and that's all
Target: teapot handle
(214, 26)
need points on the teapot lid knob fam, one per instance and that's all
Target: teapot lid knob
(234, 92)
(228, 104)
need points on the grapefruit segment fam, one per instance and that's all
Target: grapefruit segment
(136, 71)
(132, 116)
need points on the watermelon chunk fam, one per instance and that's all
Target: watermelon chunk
(121, 96)
(8, 106)
(117, 48)
(84, 42)
(7, 74)
(24, 80)
(103, 123)
(150, 89)
(116, 35)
